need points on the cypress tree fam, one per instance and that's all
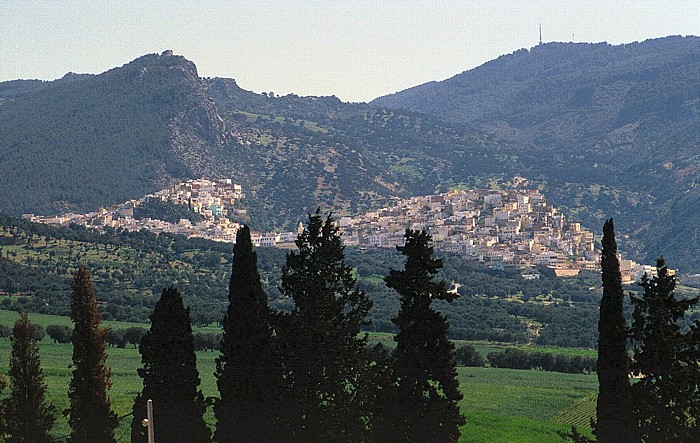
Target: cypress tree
(667, 357)
(326, 365)
(3, 385)
(28, 417)
(170, 377)
(613, 422)
(247, 373)
(91, 419)
(422, 398)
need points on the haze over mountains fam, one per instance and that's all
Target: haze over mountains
(602, 130)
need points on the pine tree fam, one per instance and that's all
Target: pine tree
(28, 417)
(170, 377)
(667, 357)
(325, 361)
(247, 371)
(421, 403)
(91, 419)
(614, 421)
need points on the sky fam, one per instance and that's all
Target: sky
(355, 50)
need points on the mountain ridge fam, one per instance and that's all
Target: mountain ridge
(621, 121)
(616, 139)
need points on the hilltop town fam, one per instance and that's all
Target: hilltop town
(506, 230)
(214, 200)
(514, 229)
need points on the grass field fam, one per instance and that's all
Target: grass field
(510, 405)
(501, 405)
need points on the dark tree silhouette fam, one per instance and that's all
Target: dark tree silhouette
(613, 413)
(3, 385)
(91, 419)
(421, 403)
(327, 395)
(170, 377)
(247, 371)
(59, 333)
(28, 417)
(134, 335)
(667, 398)
(467, 355)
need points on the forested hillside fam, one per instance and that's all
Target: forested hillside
(99, 140)
(608, 130)
(85, 141)
(602, 130)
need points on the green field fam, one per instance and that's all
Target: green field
(510, 405)
(501, 405)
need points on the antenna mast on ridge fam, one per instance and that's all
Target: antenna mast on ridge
(540, 33)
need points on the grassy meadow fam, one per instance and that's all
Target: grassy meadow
(501, 405)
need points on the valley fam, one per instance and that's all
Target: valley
(498, 402)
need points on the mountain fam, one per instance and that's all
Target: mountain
(611, 131)
(83, 141)
(602, 130)
(97, 140)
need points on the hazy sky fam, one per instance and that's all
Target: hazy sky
(356, 50)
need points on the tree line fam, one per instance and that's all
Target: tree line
(133, 263)
(303, 375)
(308, 375)
(544, 361)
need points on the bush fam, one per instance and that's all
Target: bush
(467, 355)
(115, 337)
(39, 332)
(510, 358)
(59, 334)
(5, 331)
(133, 335)
(205, 341)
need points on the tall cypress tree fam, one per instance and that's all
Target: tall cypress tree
(170, 377)
(667, 356)
(3, 385)
(28, 417)
(325, 361)
(91, 419)
(422, 400)
(247, 372)
(614, 421)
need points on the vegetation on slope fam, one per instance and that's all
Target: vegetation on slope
(97, 140)
(604, 130)
(608, 130)
(129, 269)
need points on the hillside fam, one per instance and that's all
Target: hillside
(99, 140)
(129, 270)
(603, 130)
(83, 141)
(610, 130)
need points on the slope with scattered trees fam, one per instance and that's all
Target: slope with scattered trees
(600, 128)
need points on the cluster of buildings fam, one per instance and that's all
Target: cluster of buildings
(513, 229)
(213, 199)
(632, 271)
